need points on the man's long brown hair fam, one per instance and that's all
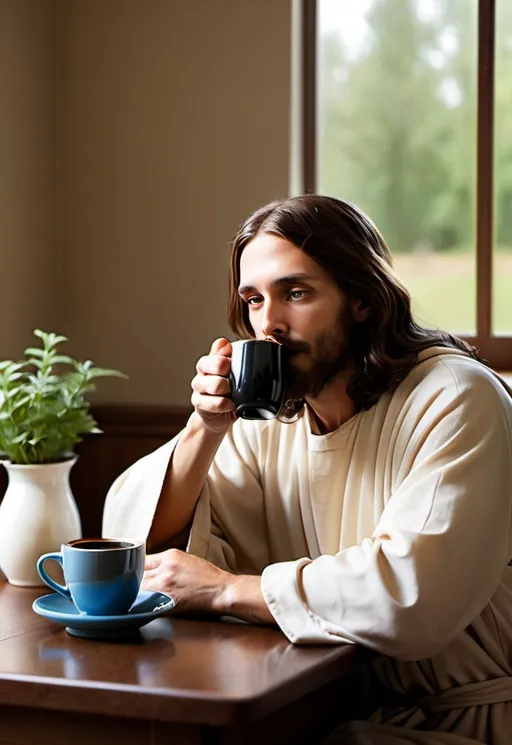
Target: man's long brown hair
(339, 237)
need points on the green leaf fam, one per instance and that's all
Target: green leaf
(14, 391)
(50, 340)
(55, 339)
(21, 402)
(97, 372)
(62, 359)
(44, 414)
(13, 367)
(83, 367)
(21, 439)
(34, 351)
(14, 376)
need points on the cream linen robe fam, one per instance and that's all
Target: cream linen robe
(393, 532)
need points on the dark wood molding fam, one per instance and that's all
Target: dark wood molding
(485, 167)
(495, 350)
(309, 97)
(140, 419)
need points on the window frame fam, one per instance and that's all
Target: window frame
(495, 349)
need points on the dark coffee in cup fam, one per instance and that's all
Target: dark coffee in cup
(102, 575)
(259, 372)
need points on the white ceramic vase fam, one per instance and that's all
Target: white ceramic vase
(37, 515)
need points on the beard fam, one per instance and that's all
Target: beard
(329, 356)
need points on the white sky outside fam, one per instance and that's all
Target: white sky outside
(348, 19)
(348, 16)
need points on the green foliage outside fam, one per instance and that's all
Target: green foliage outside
(43, 414)
(443, 290)
(397, 136)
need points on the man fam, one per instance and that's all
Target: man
(376, 510)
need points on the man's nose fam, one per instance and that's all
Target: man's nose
(273, 322)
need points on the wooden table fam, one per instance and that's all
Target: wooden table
(182, 681)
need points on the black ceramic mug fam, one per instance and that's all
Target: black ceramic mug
(259, 372)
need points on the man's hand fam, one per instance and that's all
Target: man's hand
(194, 583)
(211, 389)
(197, 585)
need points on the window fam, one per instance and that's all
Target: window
(407, 111)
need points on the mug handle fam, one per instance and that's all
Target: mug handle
(49, 581)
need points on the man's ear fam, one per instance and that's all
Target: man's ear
(360, 311)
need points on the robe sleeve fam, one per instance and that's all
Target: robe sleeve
(439, 549)
(231, 498)
(132, 499)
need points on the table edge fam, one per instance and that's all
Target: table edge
(168, 704)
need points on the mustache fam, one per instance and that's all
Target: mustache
(292, 345)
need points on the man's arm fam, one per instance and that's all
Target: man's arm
(196, 448)
(441, 545)
(183, 483)
(197, 585)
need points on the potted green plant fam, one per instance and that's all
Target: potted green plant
(43, 415)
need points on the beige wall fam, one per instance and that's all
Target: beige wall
(26, 171)
(171, 124)
(174, 121)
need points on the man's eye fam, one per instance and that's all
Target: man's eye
(297, 294)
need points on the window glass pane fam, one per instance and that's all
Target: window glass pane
(397, 136)
(502, 279)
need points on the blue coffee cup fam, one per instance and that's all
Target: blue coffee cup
(102, 575)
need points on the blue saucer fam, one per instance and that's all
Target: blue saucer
(147, 607)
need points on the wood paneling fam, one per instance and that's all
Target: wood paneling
(129, 433)
(20, 726)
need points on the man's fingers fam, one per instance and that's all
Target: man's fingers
(212, 404)
(152, 583)
(148, 573)
(218, 361)
(214, 364)
(221, 346)
(152, 561)
(211, 385)
(148, 580)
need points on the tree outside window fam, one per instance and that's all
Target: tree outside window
(398, 131)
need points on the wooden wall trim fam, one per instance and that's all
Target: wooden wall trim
(140, 419)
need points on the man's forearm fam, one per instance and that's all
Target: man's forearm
(183, 482)
(242, 597)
